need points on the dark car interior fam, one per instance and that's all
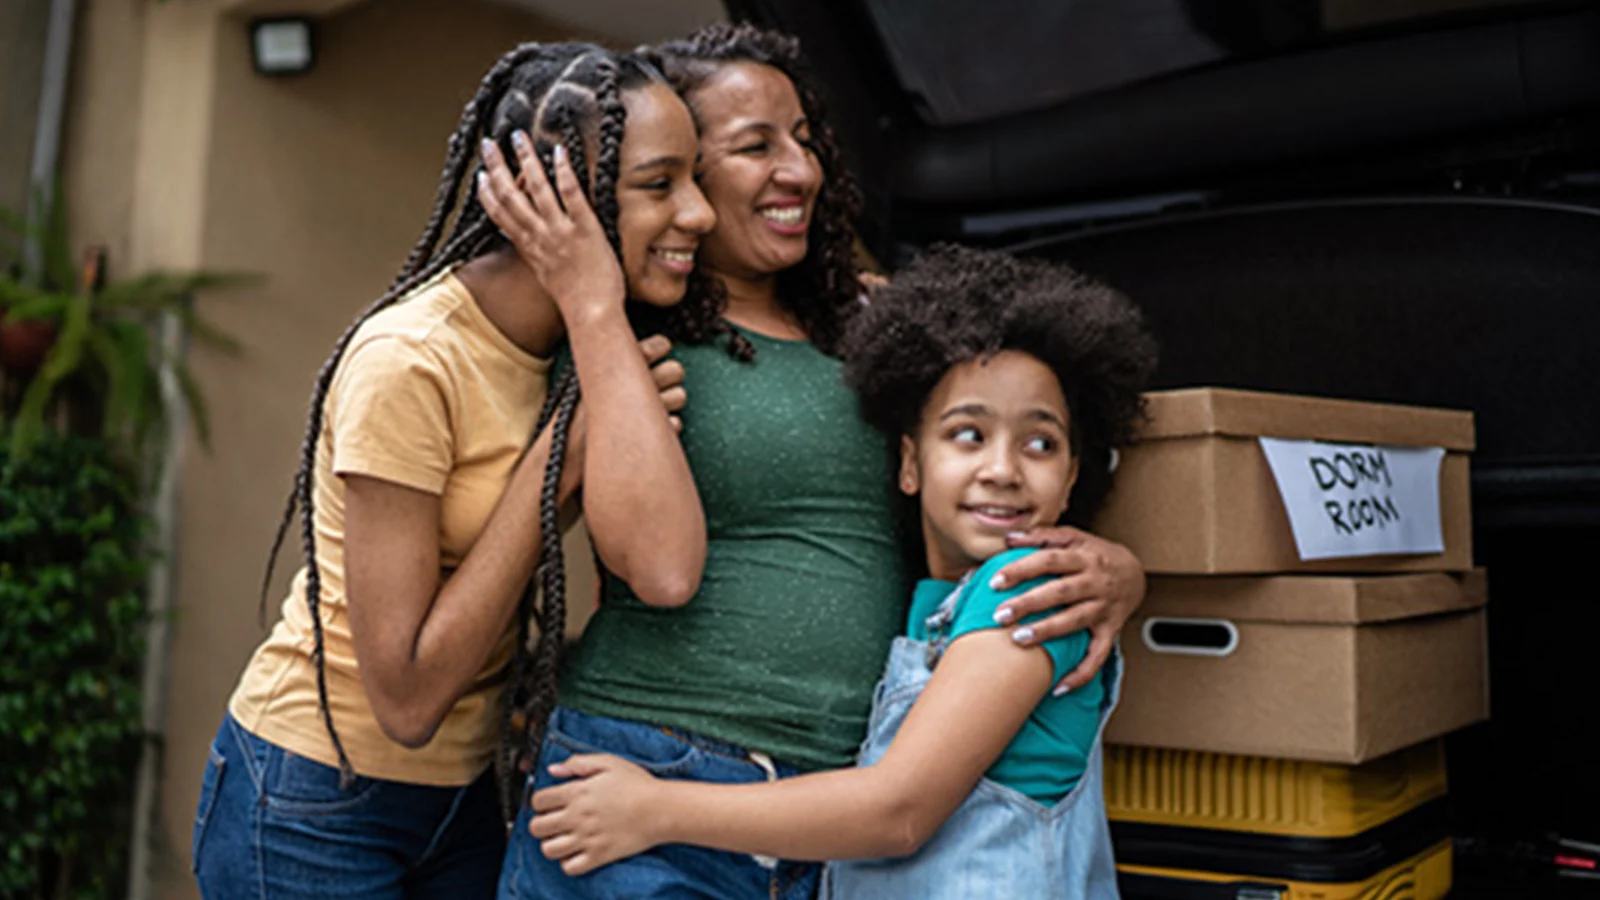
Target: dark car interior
(1373, 199)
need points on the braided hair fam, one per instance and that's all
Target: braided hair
(567, 93)
(822, 292)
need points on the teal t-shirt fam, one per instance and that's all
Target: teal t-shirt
(1048, 755)
(805, 584)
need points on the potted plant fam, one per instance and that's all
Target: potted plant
(79, 350)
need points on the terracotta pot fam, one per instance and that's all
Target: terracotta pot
(24, 345)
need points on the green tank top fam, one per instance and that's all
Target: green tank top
(805, 584)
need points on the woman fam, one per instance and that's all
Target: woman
(355, 755)
(768, 670)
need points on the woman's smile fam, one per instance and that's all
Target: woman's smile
(787, 216)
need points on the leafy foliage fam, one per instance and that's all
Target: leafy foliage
(73, 561)
(105, 357)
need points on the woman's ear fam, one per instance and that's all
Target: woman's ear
(910, 475)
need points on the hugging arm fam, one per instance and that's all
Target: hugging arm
(984, 681)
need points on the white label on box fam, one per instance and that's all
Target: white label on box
(1355, 500)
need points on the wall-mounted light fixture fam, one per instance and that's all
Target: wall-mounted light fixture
(282, 46)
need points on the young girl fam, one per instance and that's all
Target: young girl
(354, 759)
(1006, 383)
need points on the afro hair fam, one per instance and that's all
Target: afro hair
(953, 304)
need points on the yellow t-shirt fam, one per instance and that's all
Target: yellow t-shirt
(431, 395)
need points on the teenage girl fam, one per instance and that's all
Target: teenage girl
(355, 757)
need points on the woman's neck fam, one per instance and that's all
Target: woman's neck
(514, 301)
(753, 304)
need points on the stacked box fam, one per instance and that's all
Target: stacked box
(1271, 675)
(1196, 496)
(1313, 667)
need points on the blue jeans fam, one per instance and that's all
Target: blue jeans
(272, 824)
(672, 872)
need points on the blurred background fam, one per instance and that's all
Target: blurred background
(1392, 200)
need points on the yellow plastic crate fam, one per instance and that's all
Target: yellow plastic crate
(1190, 789)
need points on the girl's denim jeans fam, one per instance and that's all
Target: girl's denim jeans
(273, 825)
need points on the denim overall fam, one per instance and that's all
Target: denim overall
(999, 842)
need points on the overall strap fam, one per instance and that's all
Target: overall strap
(939, 624)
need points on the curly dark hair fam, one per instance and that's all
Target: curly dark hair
(569, 93)
(822, 292)
(953, 304)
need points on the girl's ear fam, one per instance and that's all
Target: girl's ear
(910, 475)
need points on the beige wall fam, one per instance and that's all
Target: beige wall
(102, 118)
(178, 154)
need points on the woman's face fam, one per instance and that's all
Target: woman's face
(661, 214)
(757, 168)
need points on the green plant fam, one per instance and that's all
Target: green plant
(105, 359)
(73, 561)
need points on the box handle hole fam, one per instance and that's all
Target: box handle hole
(1191, 637)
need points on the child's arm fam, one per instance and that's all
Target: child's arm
(979, 696)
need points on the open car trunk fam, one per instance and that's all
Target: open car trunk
(1385, 201)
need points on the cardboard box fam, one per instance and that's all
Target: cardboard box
(1196, 495)
(1325, 668)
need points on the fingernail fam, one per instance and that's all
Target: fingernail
(998, 582)
(519, 139)
(560, 154)
(1004, 615)
(1016, 535)
(485, 148)
(1022, 635)
(482, 177)
(1060, 690)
